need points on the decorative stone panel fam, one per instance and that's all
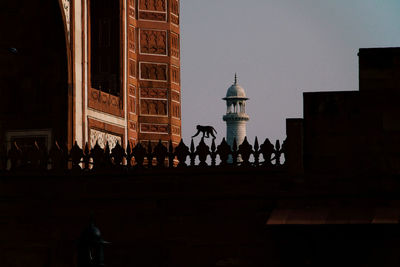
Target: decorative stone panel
(132, 68)
(132, 90)
(132, 104)
(152, 16)
(175, 45)
(154, 128)
(105, 102)
(131, 38)
(154, 93)
(176, 110)
(174, 12)
(103, 137)
(153, 42)
(153, 10)
(153, 71)
(175, 7)
(131, 8)
(153, 107)
(153, 5)
(175, 20)
(175, 96)
(175, 75)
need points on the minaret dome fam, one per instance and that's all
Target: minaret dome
(235, 117)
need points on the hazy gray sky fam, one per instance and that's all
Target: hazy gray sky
(280, 49)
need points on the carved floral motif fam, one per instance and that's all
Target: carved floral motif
(131, 38)
(102, 138)
(174, 12)
(105, 102)
(153, 93)
(175, 46)
(153, 107)
(152, 71)
(154, 128)
(175, 75)
(153, 5)
(153, 42)
(176, 110)
(152, 16)
(175, 7)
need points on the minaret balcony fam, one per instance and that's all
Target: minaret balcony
(236, 117)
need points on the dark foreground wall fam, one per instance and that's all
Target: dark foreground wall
(200, 217)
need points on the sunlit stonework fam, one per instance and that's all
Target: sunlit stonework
(102, 138)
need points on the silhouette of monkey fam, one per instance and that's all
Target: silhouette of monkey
(206, 130)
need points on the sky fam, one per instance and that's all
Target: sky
(279, 49)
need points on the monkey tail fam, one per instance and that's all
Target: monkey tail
(214, 130)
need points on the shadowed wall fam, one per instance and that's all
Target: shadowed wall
(33, 87)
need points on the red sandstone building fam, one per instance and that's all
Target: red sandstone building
(90, 70)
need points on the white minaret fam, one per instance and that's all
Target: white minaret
(235, 117)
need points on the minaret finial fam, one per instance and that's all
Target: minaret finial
(235, 78)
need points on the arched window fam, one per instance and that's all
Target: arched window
(105, 43)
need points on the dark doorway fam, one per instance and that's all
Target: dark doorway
(33, 68)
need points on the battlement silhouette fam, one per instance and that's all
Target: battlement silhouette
(58, 158)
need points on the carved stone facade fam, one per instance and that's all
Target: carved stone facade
(153, 102)
(131, 38)
(154, 128)
(174, 15)
(113, 61)
(175, 74)
(175, 7)
(175, 46)
(153, 71)
(118, 63)
(132, 104)
(154, 93)
(131, 8)
(176, 110)
(153, 107)
(153, 42)
(132, 68)
(153, 10)
(175, 96)
(102, 101)
(153, 5)
(102, 138)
